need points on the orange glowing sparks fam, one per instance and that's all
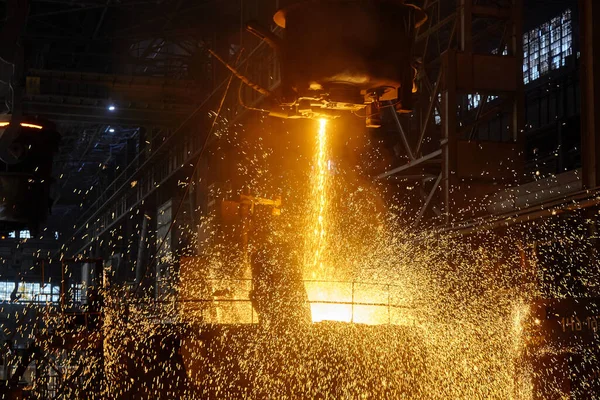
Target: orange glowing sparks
(448, 338)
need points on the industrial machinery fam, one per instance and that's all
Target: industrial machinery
(259, 257)
(342, 56)
(27, 147)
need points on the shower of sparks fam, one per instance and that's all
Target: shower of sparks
(395, 314)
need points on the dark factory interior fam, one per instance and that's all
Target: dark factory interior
(299, 199)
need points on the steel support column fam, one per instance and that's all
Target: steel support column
(449, 132)
(465, 72)
(589, 11)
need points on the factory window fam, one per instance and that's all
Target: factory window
(25, 235)
(12, 234)
(6, 289)
(473, 100)
(547, 47)
(35, 292)
(30, 292)
(76, 292)
(436, 113)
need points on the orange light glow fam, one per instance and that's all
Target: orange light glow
(334, 300)
(352, 302)
(23, 124)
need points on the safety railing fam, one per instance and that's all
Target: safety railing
(227, 301)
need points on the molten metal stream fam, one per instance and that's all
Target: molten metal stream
(317, 238)
(320, 195)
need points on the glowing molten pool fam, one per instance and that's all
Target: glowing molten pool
(358, 302)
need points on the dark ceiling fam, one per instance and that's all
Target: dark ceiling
(83, 52)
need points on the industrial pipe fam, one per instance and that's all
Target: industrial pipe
(265, 35)
(243, 78)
